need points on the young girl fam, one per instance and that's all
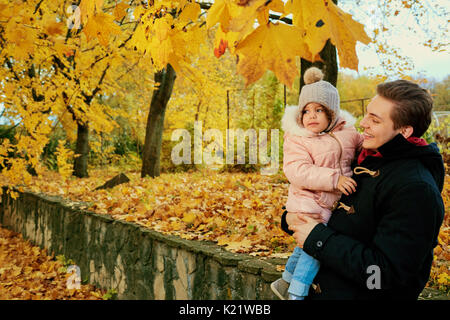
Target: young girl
(320, 142)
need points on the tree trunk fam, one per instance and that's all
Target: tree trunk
(82, 148)
(329, 65)
(155, 122)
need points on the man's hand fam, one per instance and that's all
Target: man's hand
(302, 227)
(346, 185)
(302, 224)
(293, 218)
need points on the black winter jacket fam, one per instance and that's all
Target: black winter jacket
(379, 243)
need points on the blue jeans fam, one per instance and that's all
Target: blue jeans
(300, 271)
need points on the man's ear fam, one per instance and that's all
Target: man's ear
(407, 131)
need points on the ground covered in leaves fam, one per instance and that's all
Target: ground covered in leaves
(28, 273)
(236, 210)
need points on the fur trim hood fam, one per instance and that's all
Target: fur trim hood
(290, 125)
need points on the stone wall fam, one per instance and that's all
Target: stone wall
(137, 262)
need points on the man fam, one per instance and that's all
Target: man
(379, 241)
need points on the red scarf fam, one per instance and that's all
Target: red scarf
(366, 152)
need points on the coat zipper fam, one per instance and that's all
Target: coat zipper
(340, 149)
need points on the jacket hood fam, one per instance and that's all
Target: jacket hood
(429, 156)
(289, 123)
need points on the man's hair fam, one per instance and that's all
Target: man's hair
(412, 105)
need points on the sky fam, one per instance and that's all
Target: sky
(432, 65)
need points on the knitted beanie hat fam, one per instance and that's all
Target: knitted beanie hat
(319, 91)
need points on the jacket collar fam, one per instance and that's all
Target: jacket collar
(397, 147)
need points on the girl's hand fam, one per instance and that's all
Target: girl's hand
(346, 185)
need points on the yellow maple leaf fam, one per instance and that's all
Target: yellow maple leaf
(245, 20)
(101, 26)
(5, 11)
(51, 26)
(190, 12)
(62, 49)
(21, 39)
(306, 15)
(323, 20)
(344, 33)
(120, 10)
(89, 8)
(271, 47)
(221, 11)
(263, 11)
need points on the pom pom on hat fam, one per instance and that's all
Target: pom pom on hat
(312, 75)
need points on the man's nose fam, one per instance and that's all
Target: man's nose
(363, 123)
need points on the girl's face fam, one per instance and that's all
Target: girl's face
(315, 118)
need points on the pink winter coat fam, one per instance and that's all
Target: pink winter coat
(313, 162)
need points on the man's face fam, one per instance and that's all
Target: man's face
(377, 123)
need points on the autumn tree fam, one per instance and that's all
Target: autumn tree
(164, 28)
(352, 89)
(53, 71)
(73, 69)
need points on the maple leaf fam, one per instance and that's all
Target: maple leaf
(257, 9)
(190, 12)
(224, 40)
(271, 47)
(221, 11)
(101, 26)
(323, 20)
(89, 8)
(219, 51)
(120, 10)
(22, 39)
(51, 26)
(344, 33)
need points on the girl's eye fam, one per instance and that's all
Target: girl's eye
(319, 110)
